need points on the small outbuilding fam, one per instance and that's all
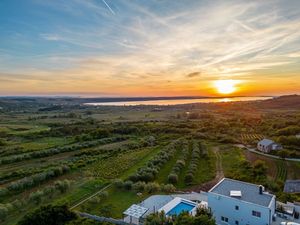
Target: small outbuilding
(292, 186)
(267, 145)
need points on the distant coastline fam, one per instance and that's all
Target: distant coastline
(169, 100)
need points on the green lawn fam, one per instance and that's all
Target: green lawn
(116, 203)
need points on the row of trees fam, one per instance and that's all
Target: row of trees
(54, 151)
(140, 186)
(35, 197)
(131, 145)
(179, 165)
(197, 153)
(149, 171)
(37, 179)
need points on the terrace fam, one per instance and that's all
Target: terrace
(169, 204)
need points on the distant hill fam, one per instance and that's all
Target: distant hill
(282, 102)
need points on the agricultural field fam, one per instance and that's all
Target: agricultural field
(68, 152)
(251, 138)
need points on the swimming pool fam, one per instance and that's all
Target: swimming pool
(181, 207)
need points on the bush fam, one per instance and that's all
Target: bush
(168, 188)
(128, 185)
(103, 195)
(36, 197)
(189, 178)
(3, 192)
(49, 215)
(3, 212)
(118, 183)
(49, 191)
(152, 187)
(62, 186)
(173, 178)
(18, 205)
(139, 186)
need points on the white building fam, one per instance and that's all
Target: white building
(239, 203)
(267, 146)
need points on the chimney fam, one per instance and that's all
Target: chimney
(261, 189)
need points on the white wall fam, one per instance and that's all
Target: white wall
(131, 220)
(225, 206)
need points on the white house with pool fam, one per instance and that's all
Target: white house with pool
(170, 204)
(231, 202)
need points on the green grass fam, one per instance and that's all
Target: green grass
(21, 129)
(181, 182)
(81, 190)
(43, 143)
(116, 203)
(141, 162)
(231, 158)
(206, 169)
(162, 177)
(281, 171)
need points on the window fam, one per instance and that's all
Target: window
(255, 213)
(236, 222)
(237, 207)
(225, 219)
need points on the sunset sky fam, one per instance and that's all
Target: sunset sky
(149, 47)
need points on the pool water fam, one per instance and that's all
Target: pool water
(181, 207)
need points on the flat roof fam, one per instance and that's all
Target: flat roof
(292, 186)
(266, 142)
(135, 211)
(249, 192)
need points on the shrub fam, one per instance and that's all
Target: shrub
(139, 186)
(189, 178)
(62, 186)
(173, 178)
(128, 185)
(118, 183)
(3, 212)
(103, 195)
(50, 215)
(36, 197)
(3, 191)
(152, 187)
(168, 188)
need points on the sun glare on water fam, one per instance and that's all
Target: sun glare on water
(225, 86)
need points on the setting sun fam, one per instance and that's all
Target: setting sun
(225, 86)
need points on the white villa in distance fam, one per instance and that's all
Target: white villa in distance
(267, 145)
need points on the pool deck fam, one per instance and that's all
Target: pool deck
(156, 202)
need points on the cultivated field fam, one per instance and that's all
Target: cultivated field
(65, 153)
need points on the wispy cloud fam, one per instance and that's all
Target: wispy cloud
(193, 74)
(150, 43)
(110, 9)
